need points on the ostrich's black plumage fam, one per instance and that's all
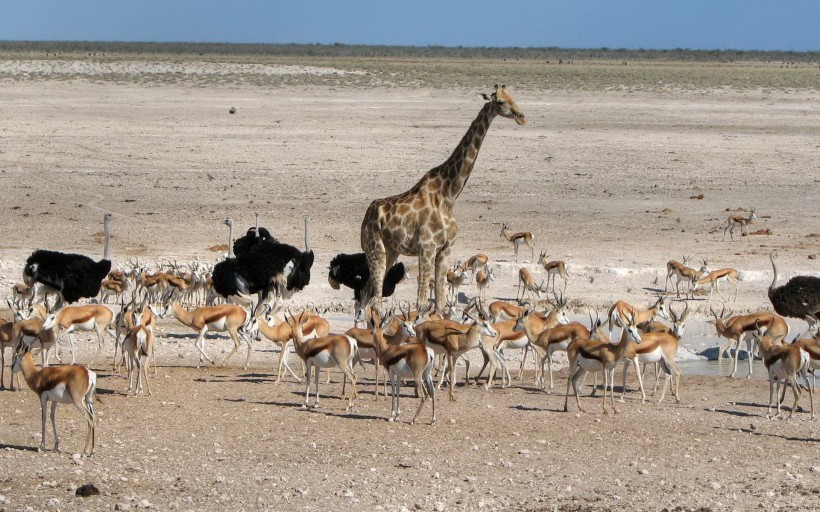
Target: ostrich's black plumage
(799, 298)
(351, 270)
(244, 244)
(263, 269)
(73, 276)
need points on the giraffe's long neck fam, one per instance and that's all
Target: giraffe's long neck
(455, 171)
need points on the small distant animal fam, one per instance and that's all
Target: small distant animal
(474, 263)
(523, 237)
(553, 268)
(739, 220)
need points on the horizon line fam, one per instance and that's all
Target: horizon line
(395, 46)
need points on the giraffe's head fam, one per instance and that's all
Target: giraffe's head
(504, 104)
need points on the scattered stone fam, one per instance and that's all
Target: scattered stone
(438, 506)
(644, 471)
(232, 110)
(815, 469)
(144, 503)
(53, 503)
(87, 490)
(122, 506)
(714, 486)
(762, 232)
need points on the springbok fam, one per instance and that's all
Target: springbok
(553, 268)
(324, 352)
(408, 361)
(586, 355)
(523, 237)
(63, 384)
(739, 220)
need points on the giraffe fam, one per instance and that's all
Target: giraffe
(420, 222)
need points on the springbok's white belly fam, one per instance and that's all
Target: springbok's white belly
(563, 345)
(401, 370)
(323, 360)
(59, 393)
(590, 365)
(517, 343)
(28, 340)
(502, 316)
(437, 349)
(84, 326)
(367, 354)
(777, 370)
(651, 357)
(219, 325)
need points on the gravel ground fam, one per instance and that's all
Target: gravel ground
(610, 182)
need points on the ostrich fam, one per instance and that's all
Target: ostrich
(267, 266)
(799, 298)
(229, 222)
(351, 270)
(71, 276)
(254, 236)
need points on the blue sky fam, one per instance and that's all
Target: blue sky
(696, 24)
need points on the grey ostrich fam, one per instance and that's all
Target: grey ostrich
(799, 298)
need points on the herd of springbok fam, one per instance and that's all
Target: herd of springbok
(404, 344)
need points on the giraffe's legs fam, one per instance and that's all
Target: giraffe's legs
(376, 261)
(442, 259)
(427, 257)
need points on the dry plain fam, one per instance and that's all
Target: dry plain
(616, 177)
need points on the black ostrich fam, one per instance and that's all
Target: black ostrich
(71, 276)
(253, 236)
(267, 266)
(799, 298)
(351, 270)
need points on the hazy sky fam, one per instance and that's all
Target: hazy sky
(697, 24)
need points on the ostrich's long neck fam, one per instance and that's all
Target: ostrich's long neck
(107, 238)
(257, 225)
(774, 279)
(230, 241)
